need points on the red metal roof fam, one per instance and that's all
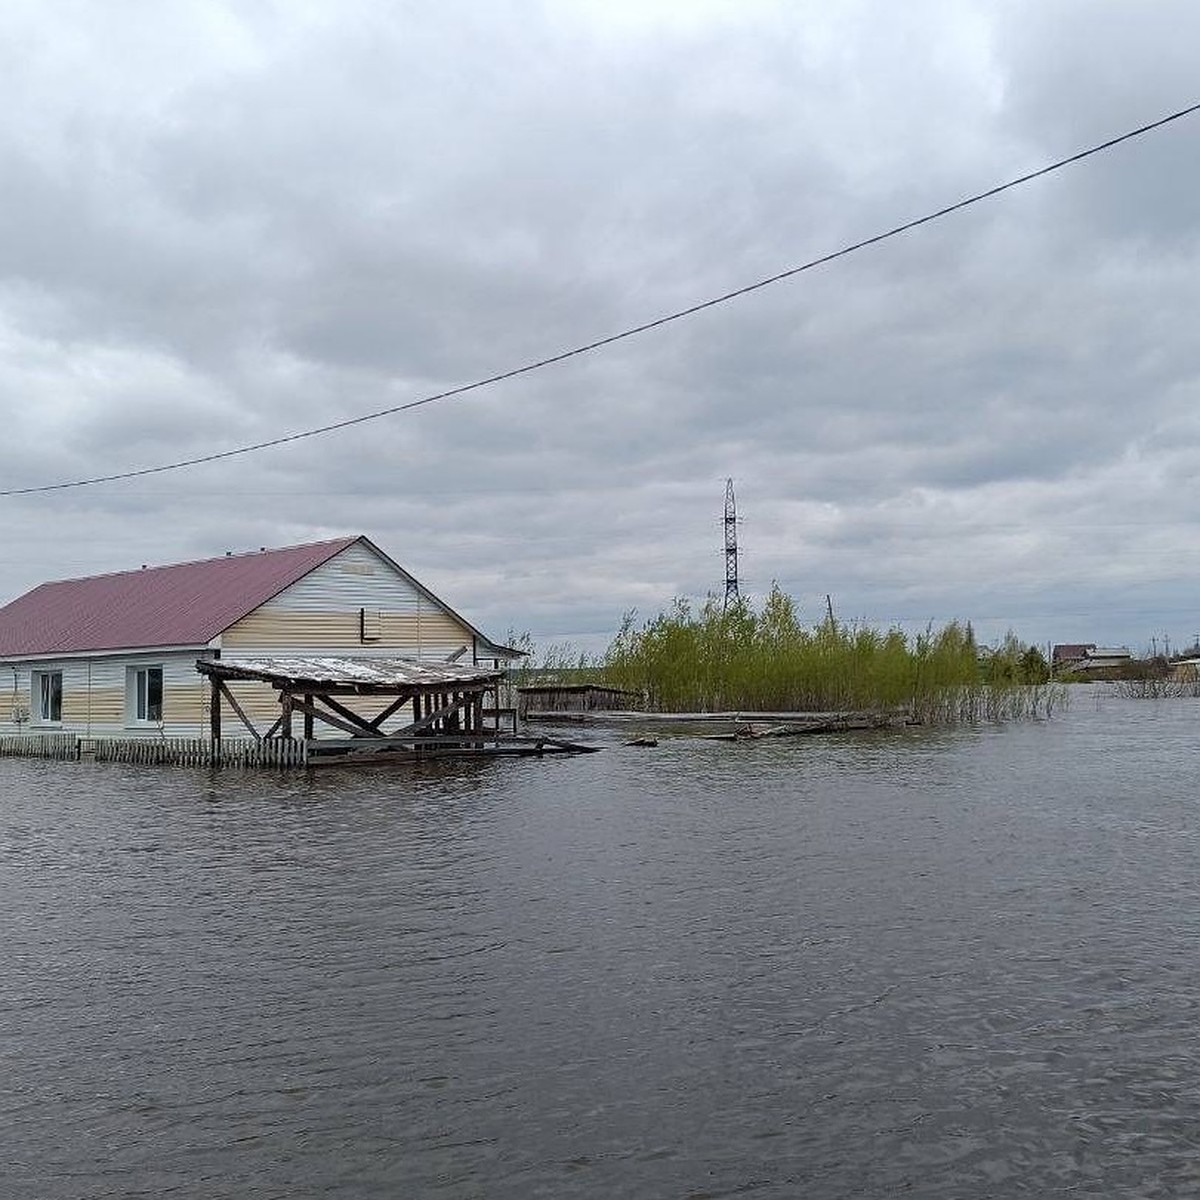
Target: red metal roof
(1071, 651)
(183, 605)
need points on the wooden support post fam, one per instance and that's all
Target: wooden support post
(214, 709)
(308, 718)
(214, 720)
(285, 698)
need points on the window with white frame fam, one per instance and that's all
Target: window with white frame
(47, 697)
(144, 695)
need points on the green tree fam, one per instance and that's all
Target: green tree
(1034, 668)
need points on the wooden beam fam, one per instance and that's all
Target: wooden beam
(299, 687)
(308, 721)
(396, 704)
(237, 708)
(452, 743)
(328, 718)
(428, 719)
(348, 714)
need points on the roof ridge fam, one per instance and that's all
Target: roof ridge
(346, 540)
(174, 605)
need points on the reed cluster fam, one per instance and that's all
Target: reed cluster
(739, 658)
(560, 662)
(1156, 689)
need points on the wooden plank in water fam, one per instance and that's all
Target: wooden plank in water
(753, 732)
(438, 745)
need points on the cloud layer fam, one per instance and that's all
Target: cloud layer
(226, 223)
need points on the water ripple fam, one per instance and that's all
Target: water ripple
(954, 964)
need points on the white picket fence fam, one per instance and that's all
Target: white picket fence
(39, 745)
(164, 751)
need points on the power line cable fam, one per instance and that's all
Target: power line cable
(633, 331)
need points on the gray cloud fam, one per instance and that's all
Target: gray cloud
(225, 223)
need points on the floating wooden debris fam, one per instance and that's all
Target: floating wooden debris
(752, 732)
(642, 741)
(733, 726)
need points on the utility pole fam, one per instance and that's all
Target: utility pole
(731, 550)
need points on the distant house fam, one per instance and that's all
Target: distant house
(1065, 657)
(116, 654)
(1087, 657)
(1186, 668)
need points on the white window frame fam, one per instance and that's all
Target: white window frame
(43, 695)
(138, 708)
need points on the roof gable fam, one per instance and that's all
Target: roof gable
(484, 644)
(187, 604)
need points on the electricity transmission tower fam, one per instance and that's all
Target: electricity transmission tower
(731, 566)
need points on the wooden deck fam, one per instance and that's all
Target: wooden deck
(277, 753)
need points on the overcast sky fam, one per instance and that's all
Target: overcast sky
(223, 223)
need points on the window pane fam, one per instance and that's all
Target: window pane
(48, 690)
(140, 709)
(154, 694)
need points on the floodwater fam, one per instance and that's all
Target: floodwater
(941, 964)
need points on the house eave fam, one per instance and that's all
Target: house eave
(114, 652)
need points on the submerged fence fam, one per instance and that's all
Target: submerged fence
(64, 746)
(165, 751)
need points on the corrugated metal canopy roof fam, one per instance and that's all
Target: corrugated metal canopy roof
(187, 604)
(375, 673)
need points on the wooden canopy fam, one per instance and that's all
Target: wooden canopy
(446, 702)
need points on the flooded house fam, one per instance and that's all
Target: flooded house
(1082, 658)
(148, 653)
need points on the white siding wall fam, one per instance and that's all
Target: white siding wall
(356, 578)
(95, 695)
(320, 615)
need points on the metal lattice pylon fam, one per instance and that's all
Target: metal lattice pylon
(731, 551)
